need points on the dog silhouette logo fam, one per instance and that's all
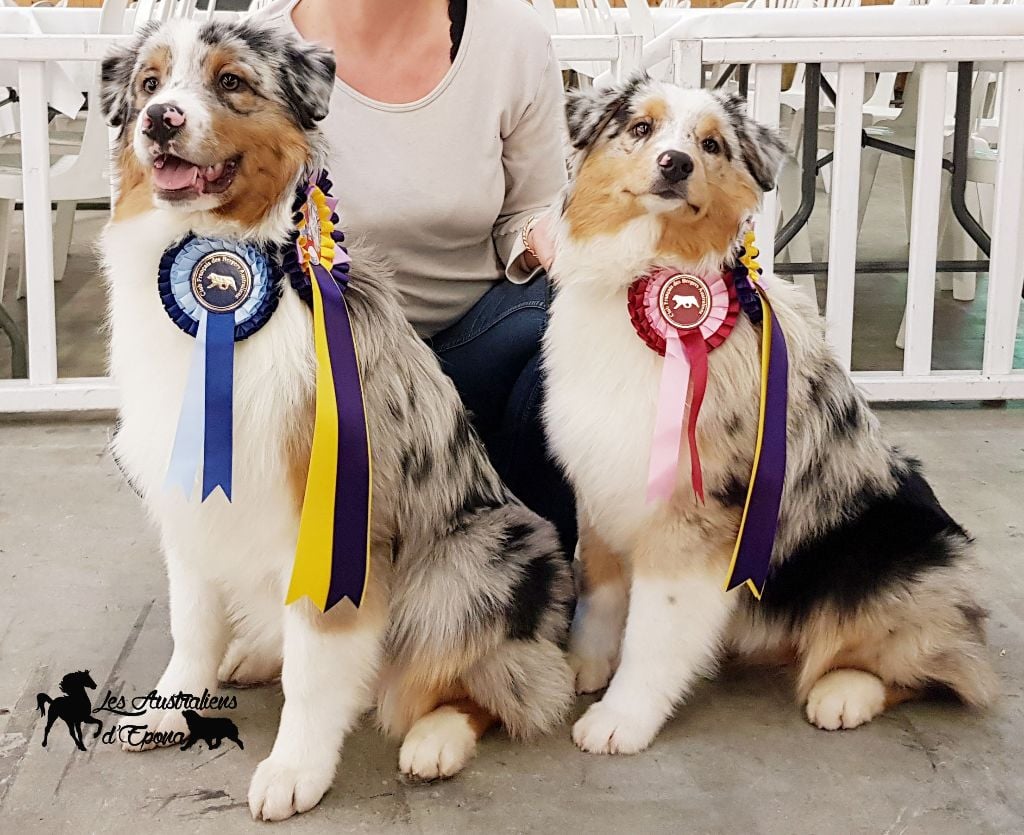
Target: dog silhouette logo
(219, 281)
(210, 729)
(685, 301)
(222, 281)
(74, 707)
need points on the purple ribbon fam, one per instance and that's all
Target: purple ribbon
(351, 504)
(753, 557)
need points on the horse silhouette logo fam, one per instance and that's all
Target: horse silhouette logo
(221, 281)
(75, 707)
(685, 302)
(210, 729)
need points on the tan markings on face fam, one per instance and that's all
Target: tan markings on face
(723, 192)
(157, 64)
(729, 198)
(221, 60)
(606, 192)
(655, 109)
(273, 150)
(135, 190)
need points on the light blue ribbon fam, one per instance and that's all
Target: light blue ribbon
(188, 439)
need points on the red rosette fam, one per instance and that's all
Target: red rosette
(651, 324)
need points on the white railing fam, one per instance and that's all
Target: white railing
(44, 390)
(996, 379)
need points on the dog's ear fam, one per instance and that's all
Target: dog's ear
(590, 111)
(761, 147)
(116, 83)
(307, 80)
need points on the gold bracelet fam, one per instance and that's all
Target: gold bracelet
(527, 229)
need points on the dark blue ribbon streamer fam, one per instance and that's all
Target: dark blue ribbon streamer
(219, 418)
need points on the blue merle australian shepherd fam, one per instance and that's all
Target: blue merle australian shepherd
(464, 622)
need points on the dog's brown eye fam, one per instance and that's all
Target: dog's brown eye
(150, 84)
(641, 129)
(711, 146)
(229, 81)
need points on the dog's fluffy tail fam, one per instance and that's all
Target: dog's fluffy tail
(41, 700)
(527, 684)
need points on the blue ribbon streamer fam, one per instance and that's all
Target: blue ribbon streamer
(219, 420)
(188, 438)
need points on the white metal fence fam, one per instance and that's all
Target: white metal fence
(44, 390)
(934, 57)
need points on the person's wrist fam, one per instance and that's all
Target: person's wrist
(527, 239)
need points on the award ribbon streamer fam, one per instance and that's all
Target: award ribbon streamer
(751, 559)
(188, 438)
(684, 378)
(206, 419)
(218, 415)
(332, 557)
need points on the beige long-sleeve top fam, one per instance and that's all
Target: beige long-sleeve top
(443, 186)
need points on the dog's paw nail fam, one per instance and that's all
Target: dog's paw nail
(845, 699)
(279, 790)
(438, 745)
(606, 730)
(592, 674)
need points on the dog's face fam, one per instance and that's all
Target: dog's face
(689, 159)
(215, 117)
(190, 717)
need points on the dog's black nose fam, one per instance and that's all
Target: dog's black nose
(675, 166)
(161, 122)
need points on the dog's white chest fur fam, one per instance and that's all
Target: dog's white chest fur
(149, 359)
(601, 397)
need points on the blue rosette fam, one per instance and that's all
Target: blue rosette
(219, 292)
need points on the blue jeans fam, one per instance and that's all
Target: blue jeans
(493, 356)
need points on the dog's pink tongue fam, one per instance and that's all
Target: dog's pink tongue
(175, 174)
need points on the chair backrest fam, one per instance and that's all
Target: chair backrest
(641, 20)
(778, 4)
(597, 17)
(161, 10)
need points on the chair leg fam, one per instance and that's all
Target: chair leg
(6, 213)
(901, 335)
(799, 249)
(21, 272)
(947, 226)
(62, 232)
(908, 192)
(965, 284)
(869, 160)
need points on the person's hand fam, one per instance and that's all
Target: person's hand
(541, 239)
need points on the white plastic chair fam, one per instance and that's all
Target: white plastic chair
(81, 172)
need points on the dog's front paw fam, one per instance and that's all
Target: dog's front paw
(280, 789)
(438, 745)
(845, 699)
(592, 674)
(604, 729)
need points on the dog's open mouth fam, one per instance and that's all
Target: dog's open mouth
(178, 179)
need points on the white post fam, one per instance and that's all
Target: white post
(687, 64)
(631, 49)
(842, 232)
(924, 225)
(35, 166)
(1005, 272)
(764, 107)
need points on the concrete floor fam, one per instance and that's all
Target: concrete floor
(83, 587)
